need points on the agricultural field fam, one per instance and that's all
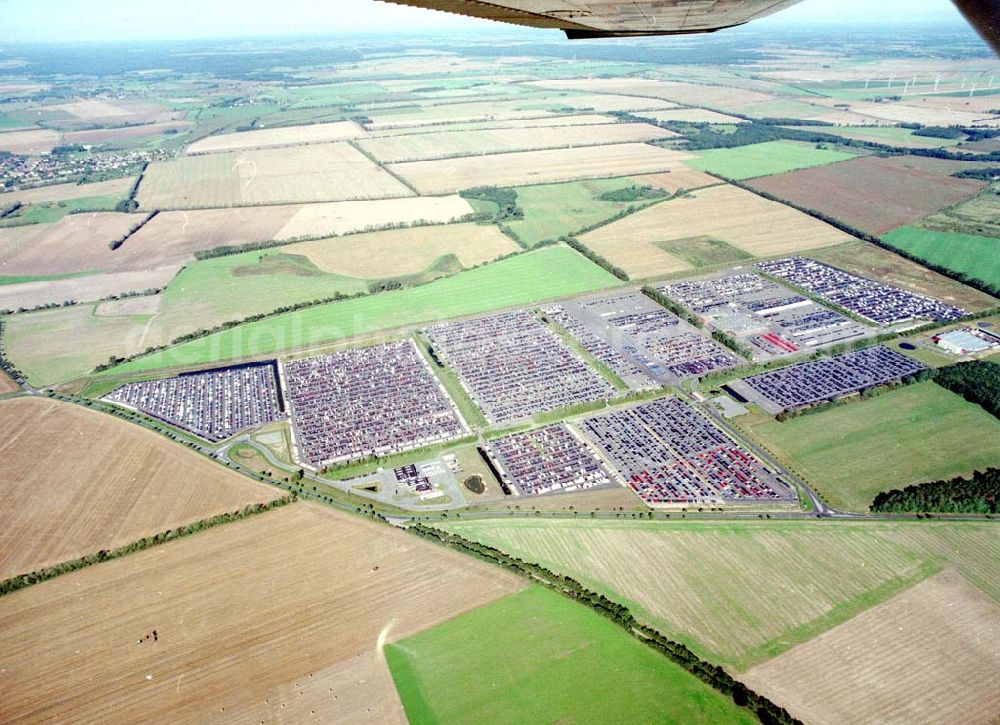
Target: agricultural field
(928, 116)
(906, 189)
(240, 635)
(554, 210)
(116, 137)
(283, 136)
(402, 252)
(741, 593)
(764, 159)
(978, 216)
(691, 115)
(207, 228)
(524, 658)
(55, 345)
(537, 167)
(543, 274)
(726, 214)
(46, 213)
(580, 119)
(913, 434)
(889, 135)
(30, 142)
(444, 144)
(928, 654)
(882, 265)
(974, 256)
(77, 481)
(321, 172)
(7, 385)
(117, 188)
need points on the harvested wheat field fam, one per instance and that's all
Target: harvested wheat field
(206, 228)
(394, 149)
(111, 135)
(35, 141)
(400, 252)
(693, 94)
(77, 481)
(83, 288)
(286, 136)
(538, 167)
(7, 385)
(680, 178)
(278, 618)
(322, 172)
(927, 115)
(65, 192)
(930, 654)
(582, 119)
(409, 117)
(726, 213)
(75, 243)
(907, 188)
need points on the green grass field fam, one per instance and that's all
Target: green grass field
(536, 656)
(918, 433)
(972, 255)
(554, 210)
(765, 159)
(54, 211)
(739, 593)
(704, 251)
(524, 279)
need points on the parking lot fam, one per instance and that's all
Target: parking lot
(212, 404)
(656, 345)
(553, 458)
(881, 303)
(670, 453)
(513, 366)
(815, 381)
(371, 401)
(772, 320)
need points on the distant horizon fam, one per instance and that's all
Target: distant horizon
(113, 21)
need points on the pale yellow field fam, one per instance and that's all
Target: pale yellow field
(675, 179)
(400, 252)
(582, 119)
(33, 142)
(278, 619)
(288, 136)
(85, 288)
(93, 108)
(686, 93)
(538, 167)
(694, 115)
(7, 385)
(740, 593)
(453, 113)
(469, 143)
(107, 135)
(927, 115)
(930, 654)
(322, 172)
(740, 218)
(207, 228)
(65, 192)
(77, 481)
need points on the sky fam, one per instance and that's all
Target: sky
(96, 20)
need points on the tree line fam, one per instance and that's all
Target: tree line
(596, 258)
(676, 307)
(713, 675)
(977, 495)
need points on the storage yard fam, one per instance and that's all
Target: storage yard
(514, 367)
(773, 320)
(212, 404)
(815, 381)
(553, 458)
(669, 453)
(369, 401)
(880, 303)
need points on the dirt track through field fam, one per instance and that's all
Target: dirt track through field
(276, 618)
(76, 481)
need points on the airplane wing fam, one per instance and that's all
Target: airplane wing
(608, 18)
